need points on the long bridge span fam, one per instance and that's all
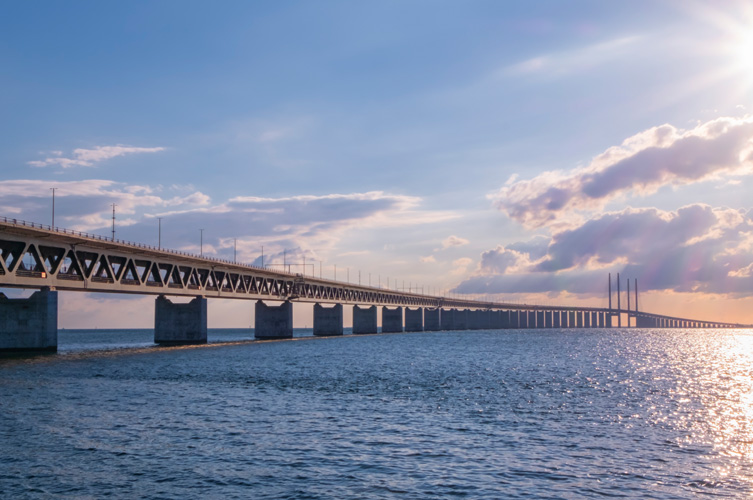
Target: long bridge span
(51, 259)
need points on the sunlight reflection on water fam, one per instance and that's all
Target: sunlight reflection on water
(505, 414)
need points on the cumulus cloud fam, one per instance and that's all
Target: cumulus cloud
(89, 157)
(697, 248)
(641, 165)
(454, 241)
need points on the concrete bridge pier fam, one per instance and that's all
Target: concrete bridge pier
(571, 319)
(432, 322)
(505, 319)
(515, 319)
(549, 319)
(556, 319)
(392, 320)
(414, 320)
(29, 324)
(180, 324)
(539, 319)
(461, 319)
(274, 322)
(523, 317)
(447, 319)
(474, 320)
(364, 319)
(328, 321)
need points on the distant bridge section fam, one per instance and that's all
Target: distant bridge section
(50, 259)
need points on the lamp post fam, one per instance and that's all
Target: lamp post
(53, 207)
(113, 221)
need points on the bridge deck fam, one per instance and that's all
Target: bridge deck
(37, 256)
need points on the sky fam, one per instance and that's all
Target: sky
(512, 151)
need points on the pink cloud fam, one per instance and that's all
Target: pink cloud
(641, 165)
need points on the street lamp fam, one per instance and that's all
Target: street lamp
(113, 221)
(53, 207)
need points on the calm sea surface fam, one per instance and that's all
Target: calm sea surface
(492, 414)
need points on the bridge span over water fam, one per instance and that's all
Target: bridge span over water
(47, 259)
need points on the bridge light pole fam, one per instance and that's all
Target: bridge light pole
(53, 207)
(113, 221)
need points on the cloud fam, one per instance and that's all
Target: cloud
(309, 223)
(576, 60)
(694, 249)
(640, 166)
(428, 259)
(454, 241)
(88, 157)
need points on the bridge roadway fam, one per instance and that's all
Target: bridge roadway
(36, 256)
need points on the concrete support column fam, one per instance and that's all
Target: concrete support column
(274, 322)
(414, 320)
(539, 319)
(594, 319)
(431, 320)
(328, 321)
(505, 319)
(180, 324)
(523, 319)
(556, 319)
(515, 319)
(364, 319)
(579, 319)
(392, 320)
(548, 319)
(586, 319)
(571, 319)
(447, 319)
(29, 324)
(461, 319)
(474, 320)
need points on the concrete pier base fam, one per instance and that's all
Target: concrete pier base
(414, 320)
(364, 319)
(461, 319)
(328, 321)
(180, 324)
(392, 320)
(274, 322)
(447, 319)
(431, 320)
(29, 324)
(505, 319)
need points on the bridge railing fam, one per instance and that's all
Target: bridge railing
(99, 237)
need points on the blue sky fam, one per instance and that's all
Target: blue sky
(520, 150)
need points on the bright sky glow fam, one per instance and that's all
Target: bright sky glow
(520, 150)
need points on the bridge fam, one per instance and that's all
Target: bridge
(51, 259)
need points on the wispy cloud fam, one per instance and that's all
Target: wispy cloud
(575, 60)
(89, 157)
(641, 165)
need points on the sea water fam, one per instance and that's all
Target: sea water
(472, 414)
